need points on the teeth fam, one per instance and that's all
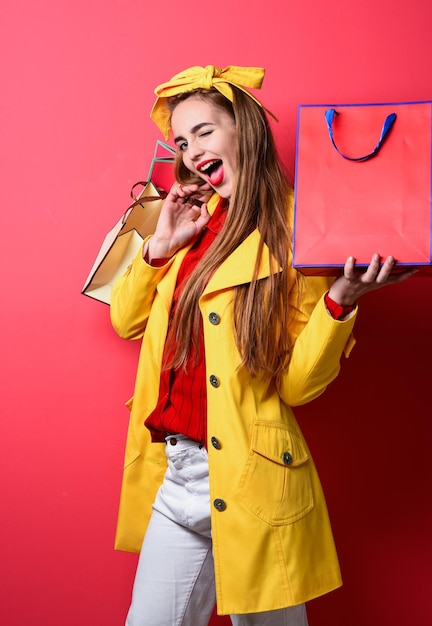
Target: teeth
(208, 165)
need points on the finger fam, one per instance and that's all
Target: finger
(386, 270)
(373, 269)
(196, 191)
(183, 189)
(181, 196)
(176, 192)
(205, 187)
(349, 268)
(188, 193)
(398, 278)
(188, 189)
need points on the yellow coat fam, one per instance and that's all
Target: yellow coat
(272, 541)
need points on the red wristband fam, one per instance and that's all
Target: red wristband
(336, 310)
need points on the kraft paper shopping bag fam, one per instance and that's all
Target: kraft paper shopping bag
(124, 240)
(122, 243)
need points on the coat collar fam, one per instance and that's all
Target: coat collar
(238, 268)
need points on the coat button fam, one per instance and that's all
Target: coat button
(287, 458)
(219, 504)
(214, 381)
(214, 318)
(216, 443)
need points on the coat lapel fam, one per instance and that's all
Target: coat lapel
(238, 268)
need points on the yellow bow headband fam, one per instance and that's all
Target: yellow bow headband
(204, 78)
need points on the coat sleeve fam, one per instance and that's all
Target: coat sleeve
(132, 297)
(318, 342)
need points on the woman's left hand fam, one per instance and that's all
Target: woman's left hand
(354, 283)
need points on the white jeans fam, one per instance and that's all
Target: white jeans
(174, 583)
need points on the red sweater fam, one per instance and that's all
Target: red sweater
(182, 404)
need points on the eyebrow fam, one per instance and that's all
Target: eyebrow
(194, 130)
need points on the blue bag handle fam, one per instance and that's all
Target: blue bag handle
(388, 123)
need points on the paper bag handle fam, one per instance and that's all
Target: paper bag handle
(388, 123)
(162, 193)
(140, 201)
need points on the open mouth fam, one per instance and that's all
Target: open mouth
(209, 166)
(213, 170)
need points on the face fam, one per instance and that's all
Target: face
(205, 136)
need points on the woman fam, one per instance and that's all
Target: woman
(218, 477)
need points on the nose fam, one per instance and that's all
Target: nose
(195, 150)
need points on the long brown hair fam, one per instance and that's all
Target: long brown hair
(259, 200)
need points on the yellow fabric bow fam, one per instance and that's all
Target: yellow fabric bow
(204, 78)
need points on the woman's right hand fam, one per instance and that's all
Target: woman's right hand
(180, 220)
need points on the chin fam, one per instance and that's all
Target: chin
(224, 191)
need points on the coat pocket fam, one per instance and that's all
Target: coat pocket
(276, 482)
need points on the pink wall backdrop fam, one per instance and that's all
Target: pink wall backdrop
(77, 81)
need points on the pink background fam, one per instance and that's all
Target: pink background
(77, 81)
